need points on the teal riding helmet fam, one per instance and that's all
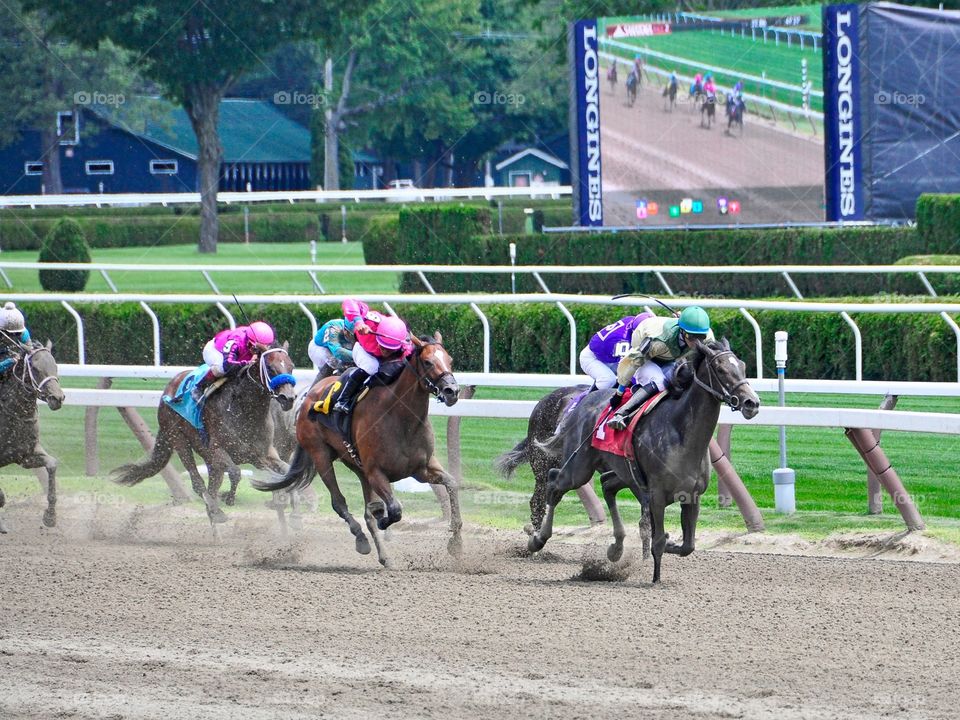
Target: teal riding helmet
(694, 320)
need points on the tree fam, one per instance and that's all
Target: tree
(196, 51)
(43, 75)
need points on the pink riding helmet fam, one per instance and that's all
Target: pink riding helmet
(392, 333)
(260, 332)
(354, 309)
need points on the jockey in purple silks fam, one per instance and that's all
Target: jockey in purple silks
(599, 359)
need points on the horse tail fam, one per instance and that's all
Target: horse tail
(133, 473)
(552, 445)
(508, 462)
(298, 476)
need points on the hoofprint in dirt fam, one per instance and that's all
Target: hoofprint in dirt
(138, 613)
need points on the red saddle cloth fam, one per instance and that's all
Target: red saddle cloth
(618, 442)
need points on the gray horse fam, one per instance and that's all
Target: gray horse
(33, 377)
(670, 445)
(238, 425)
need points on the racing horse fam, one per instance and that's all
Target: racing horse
(540, 428)
(392, 439)
(708, 110)
(612, 77)
(632, 83)
(670, 446)
(237, 425)
(670, 95)
(735, 110)
(32, 377)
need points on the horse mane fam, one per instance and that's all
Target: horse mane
(682, 376)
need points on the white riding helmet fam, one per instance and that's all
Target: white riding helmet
(11, 319)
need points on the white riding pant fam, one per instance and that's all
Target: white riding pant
(213, 358)
(651, 372)
(364, 360)
(320, 356)
(605, 374)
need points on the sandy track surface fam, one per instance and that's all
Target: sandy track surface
(142, 615)
(665, 156)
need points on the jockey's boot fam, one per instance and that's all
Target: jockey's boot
(202, 384)
(641, 393)
(351, 387)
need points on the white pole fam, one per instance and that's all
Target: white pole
(784, 479)
(513, 261)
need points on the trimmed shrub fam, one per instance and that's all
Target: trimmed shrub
(64, 244)
(938, 222)
(445, 235)
(380, 240)
(944, 284)
(530, 338)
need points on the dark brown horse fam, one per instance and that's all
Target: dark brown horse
(671, 448)
(392, 439)
(540, 428)
(33, 377)
(238, 426)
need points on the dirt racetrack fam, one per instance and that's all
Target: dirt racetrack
(139, 614)
(647, 152)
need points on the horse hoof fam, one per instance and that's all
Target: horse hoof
(49, 518)
(296, 522)
(383, 522)
(3, 528)
(228, 499)
(615, 552)
(455, 546)
(387, 563)
(535, 544)
(363, 545)
(217, 516)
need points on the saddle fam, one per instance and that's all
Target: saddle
(619, 442)
(322, 410)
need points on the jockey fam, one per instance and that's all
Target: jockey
(638, 65)
(330, 349)
(709, 88)
(697, 83)
(673, 79)
(13, 326)
(380, 338)
(738, 90)
(600, 358)
(230, 350)
(655, 346)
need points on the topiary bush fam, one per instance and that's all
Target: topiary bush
(65, 243)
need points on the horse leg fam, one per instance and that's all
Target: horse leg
(339, 503)
(41, 458)
(190, 465)
(3, 501)
(373, 522)
(578, 471)
(657, 507)
(436, 475)
(273, 463)
(230, 497)
(380, 484)
(214, 480)
(689, 512)
(610, 488)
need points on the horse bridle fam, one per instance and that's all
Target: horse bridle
(726, 396)
(274, 383)
(430, 385)
(27, 376)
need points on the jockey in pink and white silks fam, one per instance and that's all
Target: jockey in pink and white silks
(379, 338)
(231, 349)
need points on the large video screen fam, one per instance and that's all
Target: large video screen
(700, 119)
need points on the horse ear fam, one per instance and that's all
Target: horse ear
(726, 344)
(286, 345)
(417, 342)
(703, 348)
(438, 337)
(49, 345)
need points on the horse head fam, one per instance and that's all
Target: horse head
(276, 373)
(726, 377)
(39, 374)
(434, 368)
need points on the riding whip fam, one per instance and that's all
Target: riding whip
(243, 312)
(655, 299)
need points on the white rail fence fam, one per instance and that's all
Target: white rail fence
(561, 301)
(404, 195)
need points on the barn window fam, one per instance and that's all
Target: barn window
(99, 167)
(68, 129)
(163, 167)
(33, 168)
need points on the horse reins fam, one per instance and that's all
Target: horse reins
(272, 384)
(28, 374)
(727, 395)
(431, 386)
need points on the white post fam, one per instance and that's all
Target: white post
(343, 223)
(513, 261)
(784, 479)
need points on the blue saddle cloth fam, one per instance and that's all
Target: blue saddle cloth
(183, 403)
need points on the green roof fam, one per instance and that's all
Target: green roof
(252, 131)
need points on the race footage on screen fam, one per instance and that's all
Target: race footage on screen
(705, 118)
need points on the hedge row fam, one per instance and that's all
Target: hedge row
(530, 338)
(162, 230)
(938, 221)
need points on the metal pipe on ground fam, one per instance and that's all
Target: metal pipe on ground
(738, 491)
(724, 498)
(869, 448)
(874, 494)
(91, 448)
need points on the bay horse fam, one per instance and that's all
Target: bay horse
(540, 428)
(708, 110)
(670, 445)
(238, 427)
(32, 377)
(735, 108)
(392, 439)
(669, 96)
(632, 84)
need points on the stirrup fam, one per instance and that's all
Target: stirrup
(618, 421)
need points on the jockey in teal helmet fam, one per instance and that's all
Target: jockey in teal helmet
(654, 348)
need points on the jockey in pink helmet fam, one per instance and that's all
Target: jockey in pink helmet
(383, 337)
(231, 349)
